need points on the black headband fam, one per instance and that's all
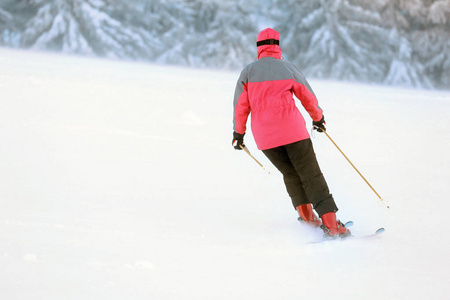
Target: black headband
(268, 42)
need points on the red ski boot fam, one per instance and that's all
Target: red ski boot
(333, 228)
(307, 215)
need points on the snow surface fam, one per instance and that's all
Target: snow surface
(118, 181)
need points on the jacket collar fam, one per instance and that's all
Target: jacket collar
(269, 51)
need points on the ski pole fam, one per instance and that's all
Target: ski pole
(356, 169)
(243, 147)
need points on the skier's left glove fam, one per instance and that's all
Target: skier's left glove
(238, 140)
(320, 125)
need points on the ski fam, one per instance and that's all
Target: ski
(348, 224)
(377, 232)
(351, 236)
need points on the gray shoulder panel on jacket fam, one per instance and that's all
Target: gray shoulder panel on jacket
(268, 69)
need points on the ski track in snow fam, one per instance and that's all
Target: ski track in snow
(118, 180)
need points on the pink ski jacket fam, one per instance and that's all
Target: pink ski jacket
(265, 88)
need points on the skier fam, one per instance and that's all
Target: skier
(265, 88)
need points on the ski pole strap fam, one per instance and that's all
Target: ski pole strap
(268, 42)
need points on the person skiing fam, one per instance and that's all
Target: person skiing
(265, 89)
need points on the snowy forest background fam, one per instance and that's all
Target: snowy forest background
(395, 42)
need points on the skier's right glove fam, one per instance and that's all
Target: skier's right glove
(238, 140)
(319, 125)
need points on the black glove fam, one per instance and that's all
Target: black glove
(238, 140)
(320, 125)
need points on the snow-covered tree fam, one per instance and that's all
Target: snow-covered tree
(392, 41)
(336, 39)
(208, 34)
(5, 19)
(430, 40)
(85, 27)
(224, 35)
(6, 27)
(404, 69)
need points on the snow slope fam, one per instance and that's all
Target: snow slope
(118, 181)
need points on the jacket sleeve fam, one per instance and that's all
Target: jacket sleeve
(241, 104)
(305, 94)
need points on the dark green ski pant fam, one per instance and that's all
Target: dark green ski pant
(302, 175)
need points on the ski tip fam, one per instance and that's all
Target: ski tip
(379, 230)
(348, 224)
